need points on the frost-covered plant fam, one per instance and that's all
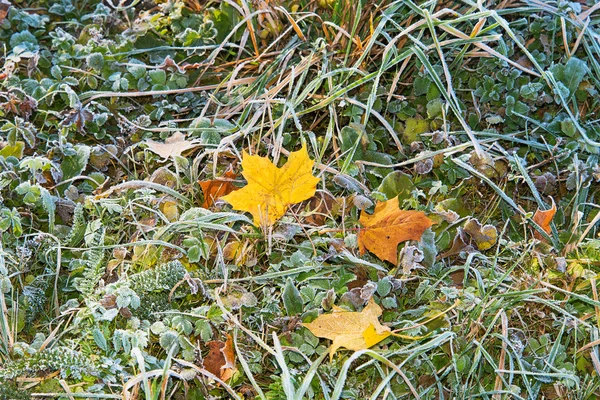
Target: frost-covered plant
(70, 363)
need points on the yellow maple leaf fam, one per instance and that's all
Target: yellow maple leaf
(387, 227)
(349, 329)
(270, 190)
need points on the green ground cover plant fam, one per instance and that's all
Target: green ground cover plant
(422, 184)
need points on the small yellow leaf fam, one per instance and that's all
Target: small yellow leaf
(270, 190)
(169, 209)
(389, 226)
(484, 236)
(16, 150)
(349, 329)
(372, 337)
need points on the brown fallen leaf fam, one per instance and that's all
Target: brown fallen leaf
(544, 219)
(220, 360)
(173, 146)
(4, 6)
(472, 237)
(460, 243)
(216, 188)
(389, 226)
(362, 277)
(349, 329)
(168, 64)
(321, 206)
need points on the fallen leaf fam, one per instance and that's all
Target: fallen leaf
(173, 146)
(239, 253)
(78, 117)
(447, 215)
(216, 188)
(220, 360)
(484, 236)
(460, 243)
(4, 6)
(322, 205)
(389, 226)
(543, 219)
(362, 277)
(168, 64)
(169, 209)
(270, 190)
(410, 257)
(349, 329)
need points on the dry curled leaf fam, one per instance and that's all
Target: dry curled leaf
(484, 236)
(460, 243)
(410, 257)
(270, 190)
(544, 219)
(220, 360)
(472, 237)
(173, 146)
(389, 226)
(322, 206)
(349, 329)
(216, 188)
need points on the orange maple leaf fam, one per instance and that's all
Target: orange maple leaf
(389, 226)
(543, 219)
(216, 188)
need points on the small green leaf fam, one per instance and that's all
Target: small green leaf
(570, 75)
(396, 183)
(73, 165)
(421, 85)
(427, 246)
(292, 300)
(95, 61)
(158, 76)
(194, 254)
(414, 127)
(384, 286)
(100, 339)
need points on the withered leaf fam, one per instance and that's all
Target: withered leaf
(220, 360)
(78, 117)
(4, 6)
(173, 146)
(216, 188)
(484, 236)
(544, 219)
